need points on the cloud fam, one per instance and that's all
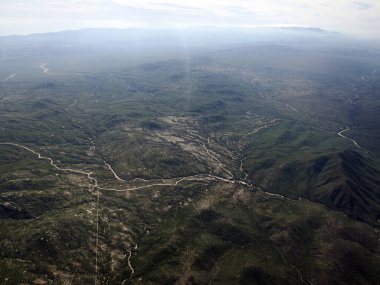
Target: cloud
(44, 15)
(363, 5)
(180, 7)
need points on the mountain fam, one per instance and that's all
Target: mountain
(246, 161)
(344, 181)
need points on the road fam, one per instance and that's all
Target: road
(129, 265)
(91, 187)
(113, 172)
(94, 185)
(355, 143)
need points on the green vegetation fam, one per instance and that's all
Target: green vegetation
(218, 171)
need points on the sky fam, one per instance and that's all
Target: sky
(34, 16)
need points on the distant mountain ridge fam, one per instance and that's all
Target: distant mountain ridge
(186, 30)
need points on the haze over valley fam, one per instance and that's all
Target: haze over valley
(190, 155)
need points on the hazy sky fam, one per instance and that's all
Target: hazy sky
(30, 16)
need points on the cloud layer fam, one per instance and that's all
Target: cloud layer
(354, 17)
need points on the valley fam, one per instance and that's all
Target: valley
(220, 168)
